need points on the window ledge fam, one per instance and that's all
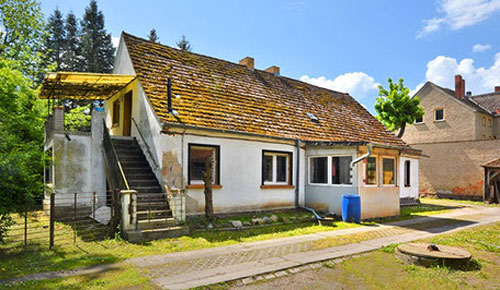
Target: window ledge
(277, 186)
(202, 186)
(437, 121)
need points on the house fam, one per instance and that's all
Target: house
(275, 142)
(459, 132)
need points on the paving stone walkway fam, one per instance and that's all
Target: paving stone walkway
(208, 266)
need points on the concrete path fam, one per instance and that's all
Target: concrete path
(208, 266)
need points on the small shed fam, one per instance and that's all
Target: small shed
(492, 181)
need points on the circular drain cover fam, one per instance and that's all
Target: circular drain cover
(429, 254)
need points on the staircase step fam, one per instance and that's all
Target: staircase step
(136, 170)
(147, 189)
(155, 223)
(142, 182)
(141, 176)
(135, 163)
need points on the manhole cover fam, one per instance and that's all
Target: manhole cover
(429, 254)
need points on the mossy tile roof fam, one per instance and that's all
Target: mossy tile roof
(217, 94)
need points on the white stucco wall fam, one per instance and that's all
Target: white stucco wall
(412, 190)
(78, 165)
(328, 197)
(240, 174)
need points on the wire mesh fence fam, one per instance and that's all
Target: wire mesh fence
(62, 218)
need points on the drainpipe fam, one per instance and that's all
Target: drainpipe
(357, 160)
(297, 174)
(297, 183)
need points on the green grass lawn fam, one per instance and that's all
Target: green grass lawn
(465, 202)
(70, 256)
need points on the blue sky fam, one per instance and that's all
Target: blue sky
(348, 46)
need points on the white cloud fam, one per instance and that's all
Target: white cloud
(442, 70)
(457, 14)
(115, 40)
(357, 84)
(481, 47)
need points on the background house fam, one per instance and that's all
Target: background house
(459, 132)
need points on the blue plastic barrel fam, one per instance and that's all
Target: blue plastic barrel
(351, 208)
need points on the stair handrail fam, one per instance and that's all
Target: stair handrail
(113, 165)
(148, 149)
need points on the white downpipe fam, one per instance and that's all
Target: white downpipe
(370, 147)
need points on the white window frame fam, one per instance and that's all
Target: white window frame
(419, 122)
(377, 171)
(329, 181)
(330, 168)
(444, 115)
(407, 174)
(275, 155)
(382, 171)
(216, 168)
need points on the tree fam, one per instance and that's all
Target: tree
(21, 136)
(207, 179)
(72, 60)
(97, 48)
(22, 33)
(395, 108)
(184, 44)
(153, 36)
(55, 42)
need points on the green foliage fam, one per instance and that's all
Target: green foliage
(21, 37)
(184, 44)
(395, 108)
(78, 119)
(97, 48)
(153, 36)
(56, 38)
(21, 136)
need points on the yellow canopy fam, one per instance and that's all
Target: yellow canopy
(83, 86)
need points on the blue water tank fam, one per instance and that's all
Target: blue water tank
(99, 109)
(351, 208)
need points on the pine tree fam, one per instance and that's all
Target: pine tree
(72, 60)
(184, 44)
(153, 36)
(97, 48)
(56, 39)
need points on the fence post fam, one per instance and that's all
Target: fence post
(93, 205)
(25, 220)
(52, 218)
(74, 218)
(116, 212)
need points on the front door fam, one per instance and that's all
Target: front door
(127, 113)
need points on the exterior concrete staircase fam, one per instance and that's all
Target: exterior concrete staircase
(154, 217)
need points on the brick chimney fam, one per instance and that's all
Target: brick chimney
(275, 70)
(497, 89)
(248, 62)
(459, 86)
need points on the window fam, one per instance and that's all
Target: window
(489, 122)
(276, 167)
(388, 168)
(341, 170)
(439, 115)
(371, 171)
(407, 181)
(196, 167)
(419, 120)
(318, 167)
(116, 113)
(484, 121)
(484, 137)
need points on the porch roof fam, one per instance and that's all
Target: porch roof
(83, 86)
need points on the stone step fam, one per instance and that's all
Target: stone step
(155, 223)
(142, 182)
(147, 189)
(138, 236)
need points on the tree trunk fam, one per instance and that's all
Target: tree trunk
(402, 130)
(207, 179)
